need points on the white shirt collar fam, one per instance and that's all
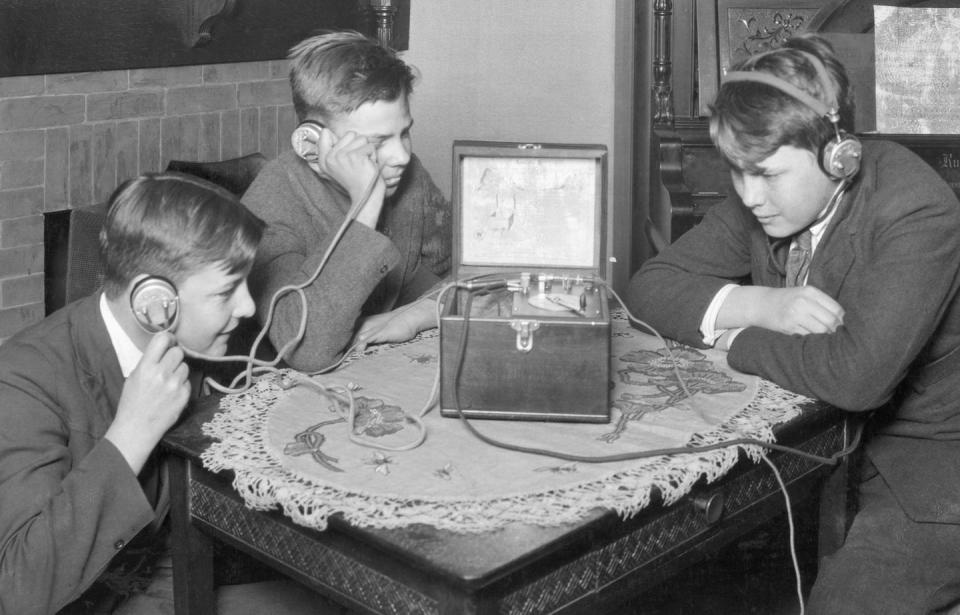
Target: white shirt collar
(816, 230)
(127, 352)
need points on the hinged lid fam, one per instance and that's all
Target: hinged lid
(529, 207)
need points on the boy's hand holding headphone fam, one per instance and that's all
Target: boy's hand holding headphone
(349, 160)
(154, 395)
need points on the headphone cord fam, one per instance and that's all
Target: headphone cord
(344, 396)
(833, 203)
(255, 365)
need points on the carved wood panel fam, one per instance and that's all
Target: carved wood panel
(746, 30)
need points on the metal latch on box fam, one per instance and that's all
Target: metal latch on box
(524, 329)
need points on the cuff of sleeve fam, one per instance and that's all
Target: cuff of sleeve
(708, 326)
(724, 342)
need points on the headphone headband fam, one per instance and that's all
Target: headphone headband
(826, 109)
(782, 85)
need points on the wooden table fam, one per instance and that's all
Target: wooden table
(588, 566)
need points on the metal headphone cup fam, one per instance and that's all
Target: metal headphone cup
(155, 303)
(840, 157)
(304, 139)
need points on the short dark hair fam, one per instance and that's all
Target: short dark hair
(335, 72)
(173, 225)
(749, 121)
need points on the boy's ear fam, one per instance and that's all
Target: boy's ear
(305, 139)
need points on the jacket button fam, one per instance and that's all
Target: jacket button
(119, 545)
(384, 269)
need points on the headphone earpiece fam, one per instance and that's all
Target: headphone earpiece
(305, 138)
(155, 304)
(839, 156)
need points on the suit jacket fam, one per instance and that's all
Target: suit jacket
(371, 270)
(891, 258)
(69, 503)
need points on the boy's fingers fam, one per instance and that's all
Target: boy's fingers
(158, 346)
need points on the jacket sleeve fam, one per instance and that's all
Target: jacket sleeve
(289, 257)
(437, 232)
(435, 238)
(61, 520)
(672, 290)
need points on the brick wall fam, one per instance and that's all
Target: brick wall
(68, 140)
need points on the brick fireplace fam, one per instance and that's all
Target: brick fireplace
(67, 140)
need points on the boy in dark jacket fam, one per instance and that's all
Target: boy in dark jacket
(851, 253)
(87, 394)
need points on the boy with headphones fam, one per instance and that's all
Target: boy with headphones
(364, 280)
(87, 394)
(834, 272)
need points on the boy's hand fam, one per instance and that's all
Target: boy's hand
(398, 325)
(800, 310)
(804, 310)
(351, 161)
(153, 397)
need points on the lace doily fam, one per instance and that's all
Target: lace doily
(290, 448)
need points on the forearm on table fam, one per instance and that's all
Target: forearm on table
(857, 367)
(326, 318)
(745, 306)
(332, 311)
(672, 302)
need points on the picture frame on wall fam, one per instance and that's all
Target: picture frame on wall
(43, 37)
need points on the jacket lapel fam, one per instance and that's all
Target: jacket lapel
(830, 266)
(832, 263)
(96, 359)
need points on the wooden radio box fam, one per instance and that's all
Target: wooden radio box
(525, 335)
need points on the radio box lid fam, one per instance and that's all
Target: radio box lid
(529, 207)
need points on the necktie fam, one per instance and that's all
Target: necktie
(798, 260)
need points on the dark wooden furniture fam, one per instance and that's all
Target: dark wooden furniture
(71, 255)
(234, 174)
(590, 566)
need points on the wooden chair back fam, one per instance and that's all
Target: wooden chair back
(234, 174)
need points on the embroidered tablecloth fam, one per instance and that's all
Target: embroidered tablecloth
(290, 447)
